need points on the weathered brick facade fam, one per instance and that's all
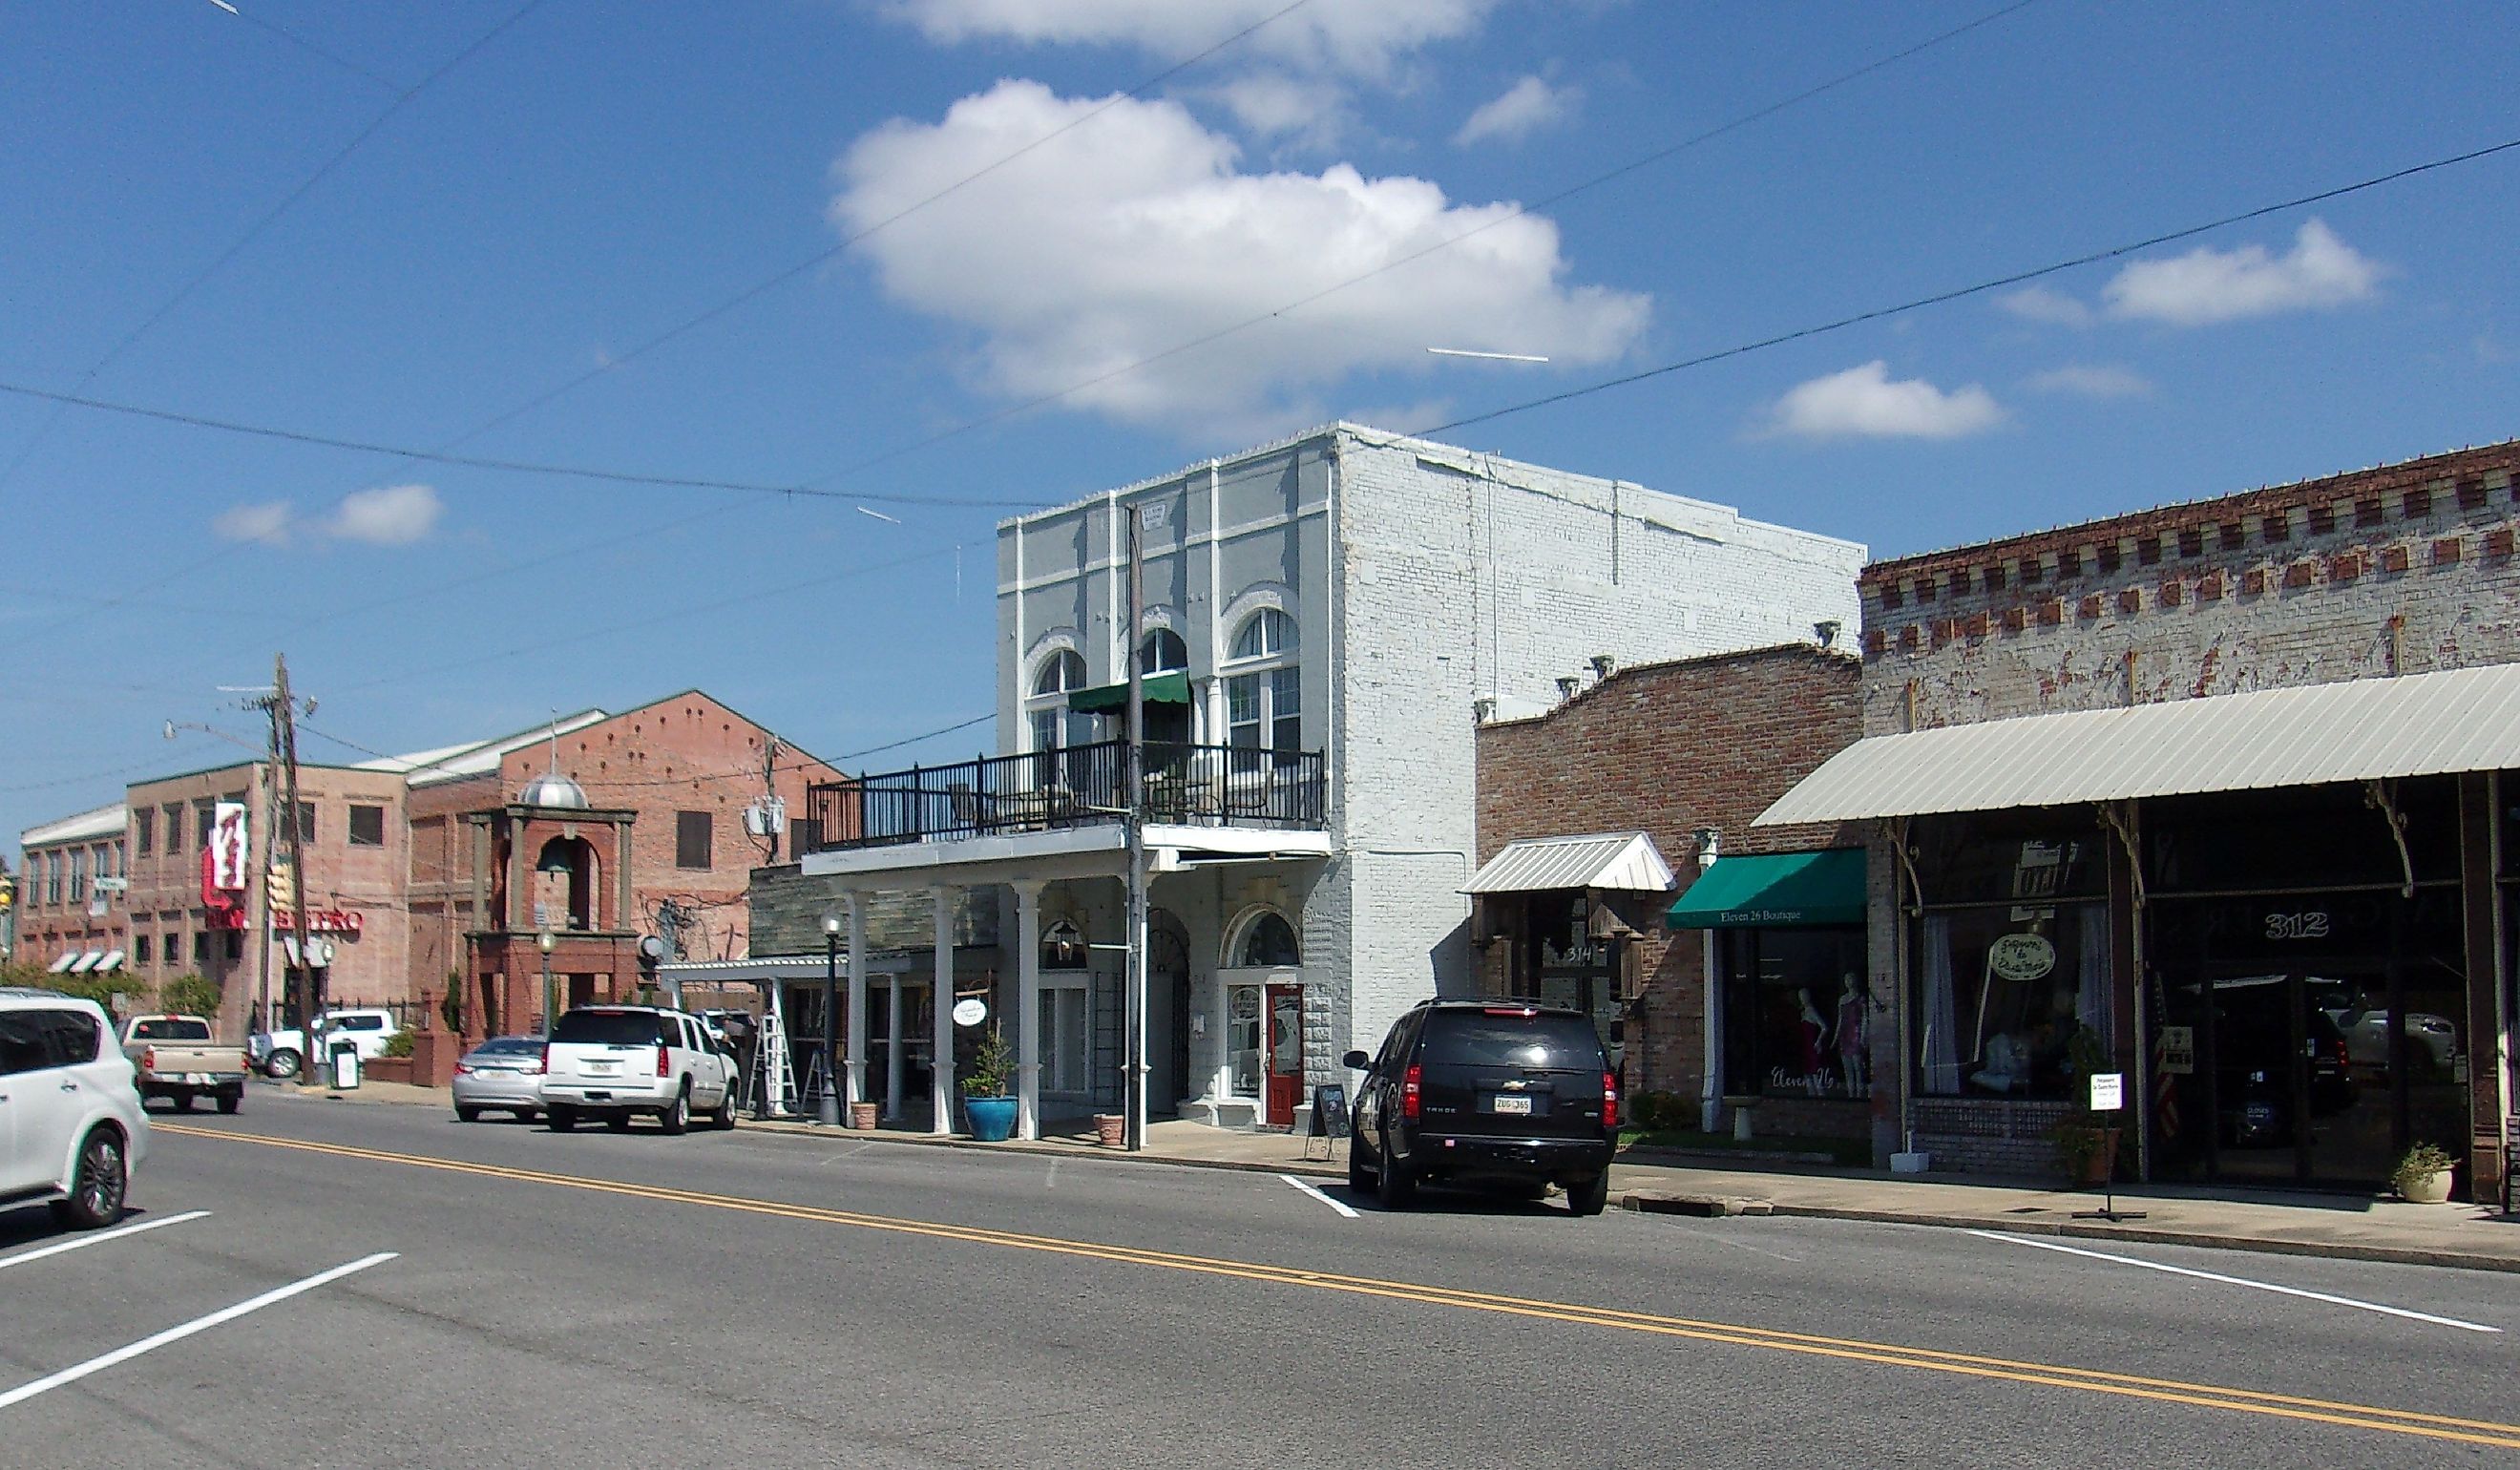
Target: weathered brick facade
(1665, 749)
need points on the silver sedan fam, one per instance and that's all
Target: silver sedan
(501, 1075)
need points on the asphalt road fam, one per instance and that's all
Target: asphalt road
(753, 1299)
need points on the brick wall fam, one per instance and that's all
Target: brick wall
(1664, 749)
(2399, 569)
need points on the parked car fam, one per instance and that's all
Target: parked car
(177, 1060)
(619, 1062)
(72, 1128)
(1486, 1092)
(282, 1054)
(503, 1074)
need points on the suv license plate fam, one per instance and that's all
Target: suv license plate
(1507, 1102)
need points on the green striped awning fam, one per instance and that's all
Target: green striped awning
(1113, 699)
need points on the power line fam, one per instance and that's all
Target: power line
(915, 739)
(1880, 313)
(303, 44)
(1511, 213)
(254, 230)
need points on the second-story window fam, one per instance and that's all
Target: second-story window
(693, 839)
(144, 823)
(78, 874)
(52, 877)
(367, 825)
(1052, 724)
(1163, 652)
(1264, 687)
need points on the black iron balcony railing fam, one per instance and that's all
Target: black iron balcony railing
(1082, 785)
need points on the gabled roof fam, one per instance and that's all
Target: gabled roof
(102, 821)
(429, 768)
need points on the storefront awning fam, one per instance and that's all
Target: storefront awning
(2361, 729)
(85, 962)
(1775, 890)
(112, 961)
(1620, 862)
(63, 962)
(1113, 699)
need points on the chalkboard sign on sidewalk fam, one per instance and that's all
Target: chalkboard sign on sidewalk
(1329, 1112)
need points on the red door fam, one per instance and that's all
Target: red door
(1286, 1053)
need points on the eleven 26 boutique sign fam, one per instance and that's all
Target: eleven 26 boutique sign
(227, 863)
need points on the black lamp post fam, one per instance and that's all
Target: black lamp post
(551, 997)
(828, 1113)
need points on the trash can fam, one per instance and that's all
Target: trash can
(345, 1066)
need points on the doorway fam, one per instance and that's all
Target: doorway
(1168, 1008)
(1284, 1053)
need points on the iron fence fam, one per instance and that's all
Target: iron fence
(1080, 785)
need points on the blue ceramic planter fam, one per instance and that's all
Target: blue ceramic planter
(992, 1119)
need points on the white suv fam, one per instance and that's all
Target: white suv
(621, 1060)
(72, 1128)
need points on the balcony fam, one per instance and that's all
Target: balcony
(1082, 785)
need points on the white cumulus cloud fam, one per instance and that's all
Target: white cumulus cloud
(1129, 236)
(389, 516)
(2104, 380)
(1865, 402)
(2037, 303)
(1279, 105)
(2206, 286)
(1359, 36)
(267, 522)
(1524, 108)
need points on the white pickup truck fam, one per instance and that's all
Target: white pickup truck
(178, 1059)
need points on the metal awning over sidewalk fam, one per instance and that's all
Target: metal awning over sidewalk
(1775, 890)
(1621, 861)
(1113, 699)
(2361, 729)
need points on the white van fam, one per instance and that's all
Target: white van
(72, 1128)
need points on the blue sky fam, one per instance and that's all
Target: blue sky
(593, 175)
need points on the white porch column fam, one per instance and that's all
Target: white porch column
(1028, 1009)
(892, 1050)
(856, 1039)
(942, 1087)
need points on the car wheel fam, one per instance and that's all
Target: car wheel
(229, 1103)
(98, 1183)
(468, 1115)
(563, 1119)
(1589, 1196)
(1525, 1189)
(724, 1117)
(1358, 1178)
(281, 1065)
(1393, 1188)
(526, 1115)
(677, 1115)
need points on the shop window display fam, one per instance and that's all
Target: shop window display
(1797, 1013)
(2002, 994)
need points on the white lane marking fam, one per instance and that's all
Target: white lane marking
(99, 1237)
(830, 1159)
(155, 1340)
(1318, 1195)
(2206, 1276)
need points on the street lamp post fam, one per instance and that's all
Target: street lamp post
(827, 1110)
(550, 998)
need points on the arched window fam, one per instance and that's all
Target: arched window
(1053, 726)
(1163, 652)
(1264, 703)
(1063, 947)
(1267, 942)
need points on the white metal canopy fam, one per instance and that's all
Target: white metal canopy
(1622, 862)
(2361, 729)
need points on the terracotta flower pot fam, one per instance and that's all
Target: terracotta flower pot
(863, 1115)
(1112, 1130)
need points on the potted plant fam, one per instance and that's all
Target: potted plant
(2422, 1177)
(986, 1107)
(2087, 1142)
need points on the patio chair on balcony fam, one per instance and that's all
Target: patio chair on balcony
(966, 808)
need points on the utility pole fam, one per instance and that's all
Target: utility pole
(280, 825)
(266, 929)
(288, 716)
(1134, 766)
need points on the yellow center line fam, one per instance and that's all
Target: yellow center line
(1856, 1350)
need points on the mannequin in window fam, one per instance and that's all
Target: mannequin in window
(1850, 1037)
(1810, 1031)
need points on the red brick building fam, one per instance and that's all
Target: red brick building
(1674, 751)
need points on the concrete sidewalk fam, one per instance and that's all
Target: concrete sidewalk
(2284, 1223)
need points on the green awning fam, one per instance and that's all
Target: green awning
(1113, 699)
(1782, 889)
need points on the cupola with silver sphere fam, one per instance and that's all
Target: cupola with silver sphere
(552, 791)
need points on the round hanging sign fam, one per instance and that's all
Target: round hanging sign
(971, 1010)
(2021, 957)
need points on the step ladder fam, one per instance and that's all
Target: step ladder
(774, 1076)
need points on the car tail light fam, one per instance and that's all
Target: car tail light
(147, 1059)
(2342, 1058)
(1525, 1011)
(664, 1059)
(1610, 1100)
(1409, 1092)
(463, 1069)
(546, 1056)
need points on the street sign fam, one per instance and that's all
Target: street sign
(971, 1010)
(2108, 1092)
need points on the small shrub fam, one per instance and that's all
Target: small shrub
(2421, 1163)
(992, 1062)
(398, 1045)
(190, 996)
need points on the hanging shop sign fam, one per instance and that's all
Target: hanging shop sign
(2021, 957)
(229, 846)
(971, 1010)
